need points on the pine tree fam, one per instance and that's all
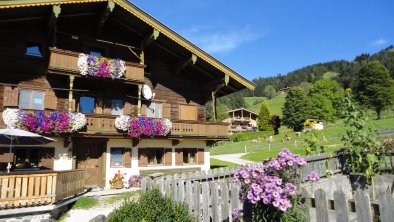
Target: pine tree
(296, 109)
(264, 118)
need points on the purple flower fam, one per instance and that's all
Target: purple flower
(237, 214)
(313, 177)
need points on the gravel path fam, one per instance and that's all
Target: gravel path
(233, 158)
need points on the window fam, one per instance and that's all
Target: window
(154, 110)
(86, 104)
(117, 157)
(155, 156)
(189, 155)
(31, 100)
(117, 107)
(96, 52)
(33, 49)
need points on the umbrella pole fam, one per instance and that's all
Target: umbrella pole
(9, 158)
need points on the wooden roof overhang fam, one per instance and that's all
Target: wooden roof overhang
(186, 57)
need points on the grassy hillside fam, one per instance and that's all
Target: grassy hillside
(275, 104)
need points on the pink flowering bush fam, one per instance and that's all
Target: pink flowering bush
(271, 190)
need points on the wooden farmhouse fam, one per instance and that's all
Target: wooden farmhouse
(116, 89)
(241, 120)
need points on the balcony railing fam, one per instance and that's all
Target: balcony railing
(96, 124)
(39, 188)
(104, 125)
(219, 130)
(64, 61)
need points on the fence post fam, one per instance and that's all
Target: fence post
(160, 185)
(143, 184)
(224, 201)
(363, 206)
(205, 202)
(167, 186)
(386, 206)
(150, 183)
(196, 200)
(321, 206)
(341, 207)
(174, 191)
(189, 195)
(235, 203)
(215, 204)
(181, 191)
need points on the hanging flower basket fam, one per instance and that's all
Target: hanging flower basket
(42, 123)
(101, 67)
(143, 126)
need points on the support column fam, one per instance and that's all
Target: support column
(70, 94)
(214, 106)
(173, 158)
(139, 100)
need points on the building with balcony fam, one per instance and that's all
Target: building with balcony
(241, 120)
(116, 88)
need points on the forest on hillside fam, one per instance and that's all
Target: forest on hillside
(344, 72)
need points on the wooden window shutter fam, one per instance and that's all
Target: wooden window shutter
(187, 112)
(127, 109)
(127, 157)
(5, 157)
(142, 158)
(50, 100)
(166, 110)
(167, 157)
(200, 156)
(179, 157)
(11, 96)
(46, 157)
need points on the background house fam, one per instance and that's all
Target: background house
(241, 120)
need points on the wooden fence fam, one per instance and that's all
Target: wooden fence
(360, 208)
(215, 200)
(39, 188)
(206, 201)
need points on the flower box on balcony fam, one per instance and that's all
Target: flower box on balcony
(64, 61)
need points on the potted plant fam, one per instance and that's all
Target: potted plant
(117, 181)
(135, 180)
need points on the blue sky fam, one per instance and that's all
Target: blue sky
(264, 38)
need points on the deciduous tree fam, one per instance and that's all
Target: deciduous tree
(375, 87)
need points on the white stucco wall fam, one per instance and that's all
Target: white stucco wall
(63, 155)
(151, 143)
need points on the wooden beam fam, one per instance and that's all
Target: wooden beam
(150, 38)
(203, 72)
(56, 10)
(127, 26)
(183, 63)
(105, 15)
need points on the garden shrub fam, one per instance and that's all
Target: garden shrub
(151, 207)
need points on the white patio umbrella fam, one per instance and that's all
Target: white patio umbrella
(21, 137)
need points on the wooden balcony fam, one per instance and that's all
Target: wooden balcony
(200, 129)
(66, 62)
(26, 189)
(106, 125)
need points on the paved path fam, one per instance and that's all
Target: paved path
(233, 158)
(84, 215)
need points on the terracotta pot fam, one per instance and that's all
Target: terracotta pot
(117, 185)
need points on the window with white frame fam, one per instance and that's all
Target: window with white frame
(117, 107)
(31, 100)
(154, 110)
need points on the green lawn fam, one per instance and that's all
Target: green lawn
(263, 150)
(218, 164)
(275, 104)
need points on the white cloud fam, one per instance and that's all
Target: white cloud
(218, 41)
(380, 42)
